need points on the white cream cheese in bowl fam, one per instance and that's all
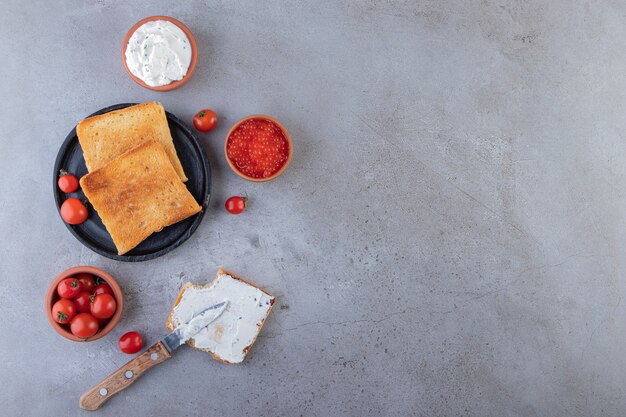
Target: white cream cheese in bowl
(230, 336)
(158, 53)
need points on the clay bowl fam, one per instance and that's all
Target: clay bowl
(52, 297)
(285, 133)
(194, 53)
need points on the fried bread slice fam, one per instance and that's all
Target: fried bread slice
(137, 194)
(106, 136)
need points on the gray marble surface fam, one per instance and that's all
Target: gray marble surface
(448, 240)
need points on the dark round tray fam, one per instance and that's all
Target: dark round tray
(92, 232)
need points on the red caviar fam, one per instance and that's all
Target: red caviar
(257, 148)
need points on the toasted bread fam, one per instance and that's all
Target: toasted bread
(171, 324)
(107, 136)
(137, 194)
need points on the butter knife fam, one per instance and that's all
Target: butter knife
(154, 355)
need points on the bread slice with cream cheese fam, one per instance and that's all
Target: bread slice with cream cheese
(230, 337)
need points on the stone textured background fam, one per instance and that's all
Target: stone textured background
(448, 240)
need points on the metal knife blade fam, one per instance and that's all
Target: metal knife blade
(188, 330)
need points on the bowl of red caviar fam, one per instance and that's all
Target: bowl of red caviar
(258, 148)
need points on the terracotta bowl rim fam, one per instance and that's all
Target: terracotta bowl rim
(287, 136)
(117, 292)
(194, 53)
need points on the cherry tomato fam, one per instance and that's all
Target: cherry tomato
(83, 302)
(87, 281)
(103, 306)
(236, 204)
(130, 342)
(67, 183)
(103, 288)
(73, 211)
(84, 325)
(69, 288)
(63, 311)
(205, 120)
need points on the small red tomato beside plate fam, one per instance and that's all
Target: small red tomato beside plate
(236, 204)
(205, 120)
(258, 148)
(130, 342)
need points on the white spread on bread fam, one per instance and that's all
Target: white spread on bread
(158, 53)
(230, 335)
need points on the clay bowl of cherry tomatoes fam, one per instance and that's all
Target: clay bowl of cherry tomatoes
(84, 303)
(258, 148)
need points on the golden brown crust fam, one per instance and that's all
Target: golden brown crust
(169, 325)
(137, 194)
(106, 136)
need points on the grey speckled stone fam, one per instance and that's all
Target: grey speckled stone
(447, 242)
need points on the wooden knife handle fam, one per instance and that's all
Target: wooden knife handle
(123, 377)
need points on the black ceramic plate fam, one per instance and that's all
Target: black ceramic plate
(92, 232)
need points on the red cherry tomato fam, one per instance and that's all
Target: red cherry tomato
(103, 288)
(67, 183)
(63, 311)
(130, 342)
(84, 325)
(87, 281)
(236, 204)
(103, 306)
(73, 211)
(69, 288)
(205, 120)
(83, 302)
